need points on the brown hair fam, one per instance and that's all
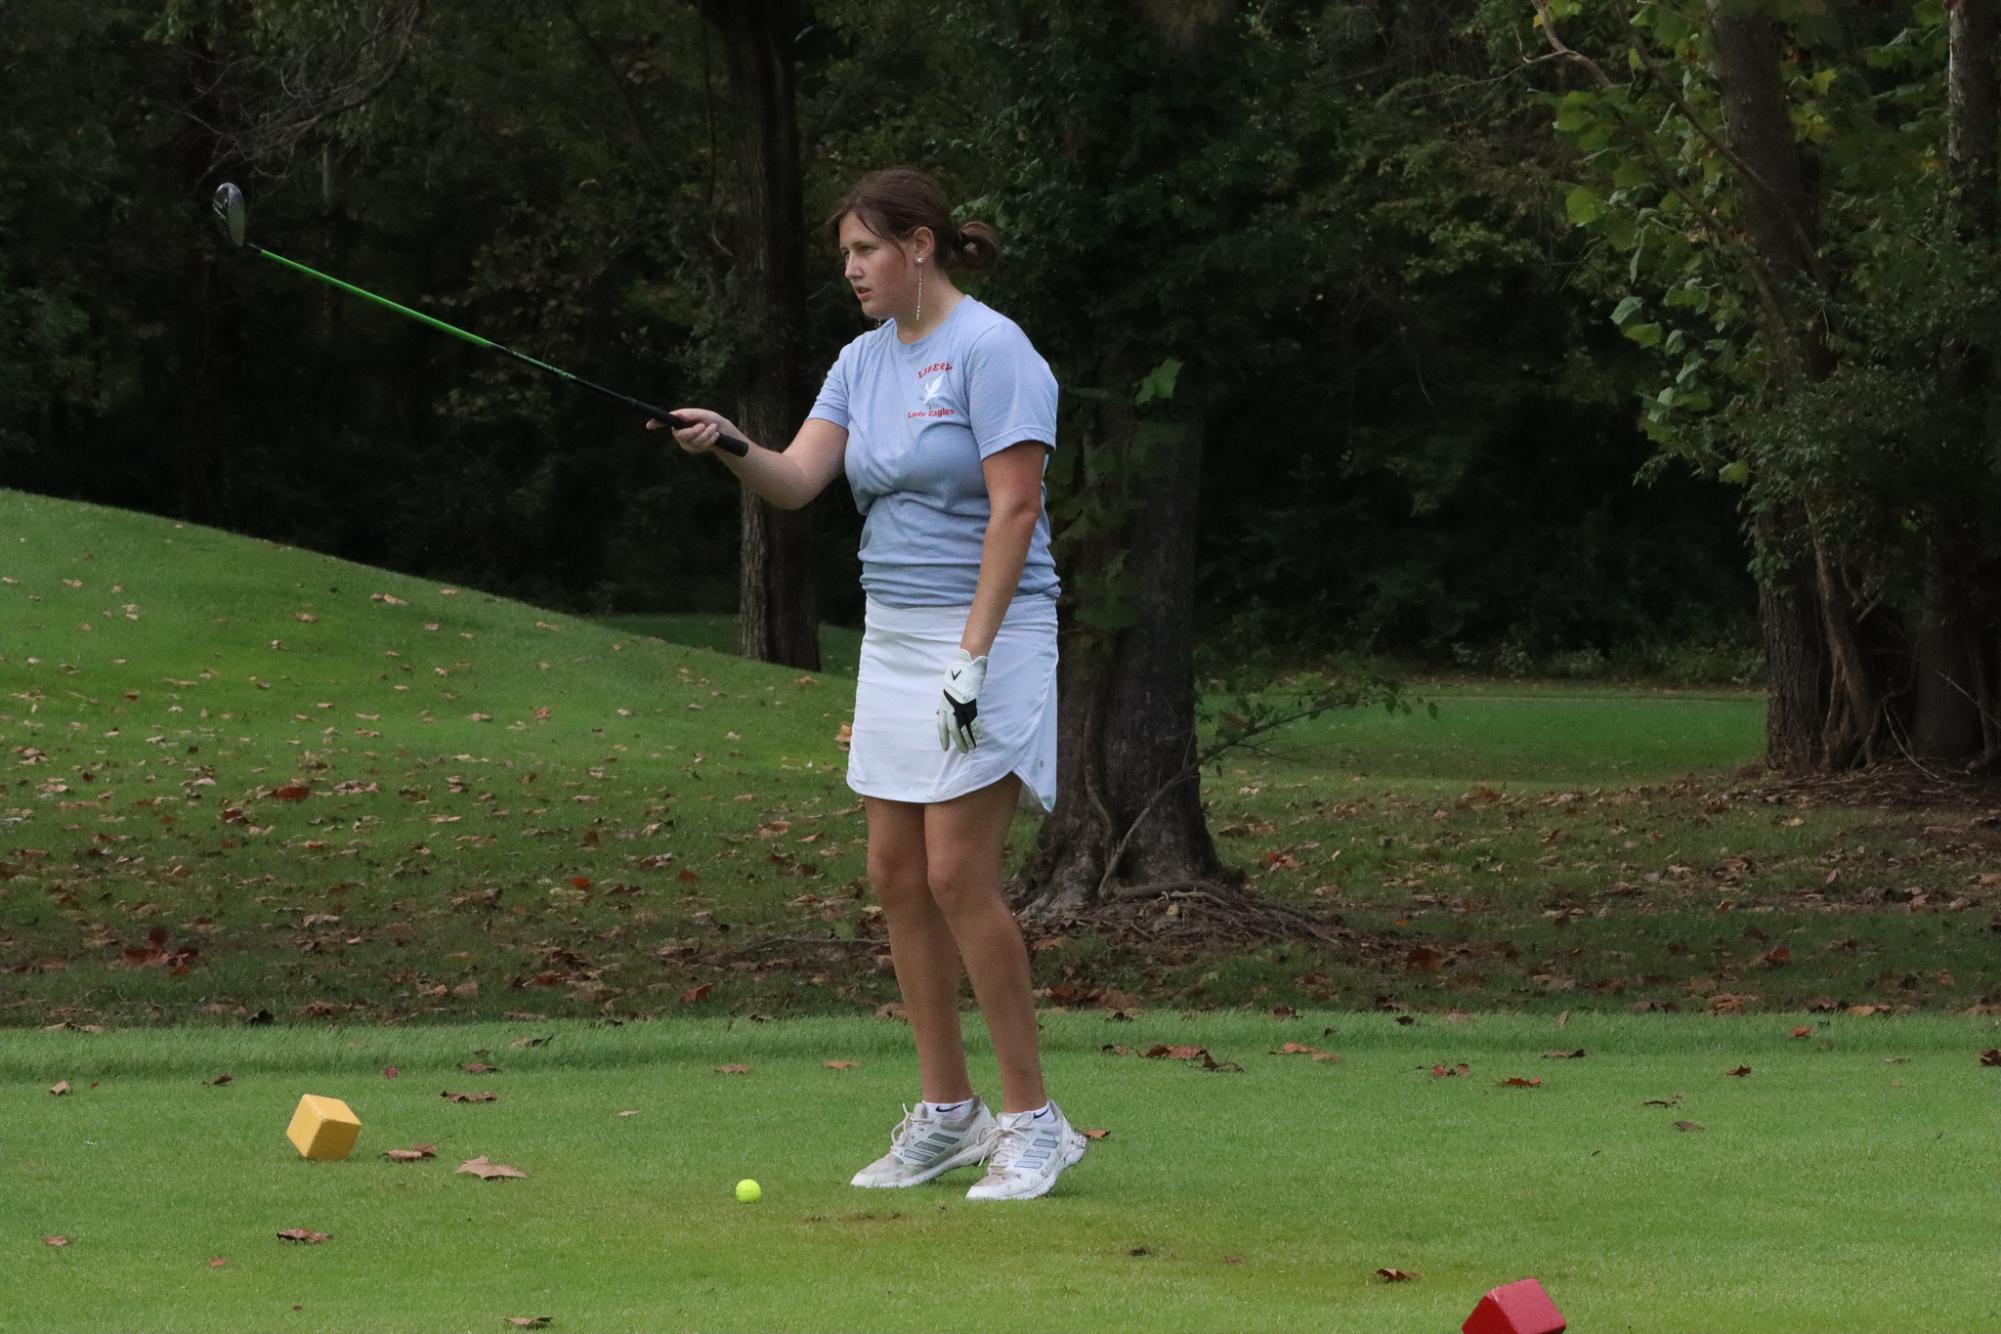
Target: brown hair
(896, 201)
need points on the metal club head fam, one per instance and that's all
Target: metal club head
(229, 211)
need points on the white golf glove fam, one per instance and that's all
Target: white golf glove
(959, 711)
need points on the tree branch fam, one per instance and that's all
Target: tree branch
(1752, 265)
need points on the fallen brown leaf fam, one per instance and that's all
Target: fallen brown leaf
(1803, 1031)
(1738, 1072)
(732, 1069)
(55, 1241)
(61, 1089)
(304, 1234)
(416, 1153)
(1577, 1055)
(1688, 1125)
(694, 995)
(489, 1171)
(481, 1068)
(1991, 1057)
(1460, 1070)
(519, 1043)
(838, 1065)
(530, 1321)
(220, 1080)
(217, 1261)
(1180, 1051)
(1395, 1275)
(1424, 959)
(1517, 1082)
(1097, 1133)
(449, 1096)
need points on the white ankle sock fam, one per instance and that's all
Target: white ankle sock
(1044, 1112)
(950, 1111)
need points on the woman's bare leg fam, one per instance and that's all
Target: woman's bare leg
(964, 842)
(920, 945)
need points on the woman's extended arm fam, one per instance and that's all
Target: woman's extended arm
(1014, 491)
(789, 480)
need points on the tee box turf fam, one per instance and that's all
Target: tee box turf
(323, 1128)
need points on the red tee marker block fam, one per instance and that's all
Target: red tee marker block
(1515, 1308)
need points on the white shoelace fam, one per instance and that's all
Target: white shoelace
(1009, 1143)
(901, 1131)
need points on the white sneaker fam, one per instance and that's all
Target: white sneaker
(924, 1146)
(1028, 1156)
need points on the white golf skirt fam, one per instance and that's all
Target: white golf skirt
(893, 752)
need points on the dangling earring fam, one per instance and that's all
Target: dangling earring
(920, 291)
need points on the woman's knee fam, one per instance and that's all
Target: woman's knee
(899, 882)
(957, 883)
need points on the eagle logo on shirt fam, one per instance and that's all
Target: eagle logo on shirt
(931, 391)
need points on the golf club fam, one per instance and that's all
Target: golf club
(229, 211)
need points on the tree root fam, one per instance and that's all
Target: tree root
(1890, 785)
(1202, 914)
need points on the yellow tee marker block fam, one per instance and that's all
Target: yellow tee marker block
(323, 1128)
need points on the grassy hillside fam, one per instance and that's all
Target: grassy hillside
(245, 778)
(347, 787)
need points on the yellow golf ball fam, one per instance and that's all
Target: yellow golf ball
(749, 1191)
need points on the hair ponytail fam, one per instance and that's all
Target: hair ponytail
(896, 201)
(979, 246)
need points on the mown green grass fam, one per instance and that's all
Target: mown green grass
(1839, 1186)
(509, 815)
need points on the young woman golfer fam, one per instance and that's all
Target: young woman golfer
(943, 418)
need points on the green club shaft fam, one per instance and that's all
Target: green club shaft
(417, 315)
(728, 443)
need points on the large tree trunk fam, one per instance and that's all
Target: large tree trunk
(1129, 800)
(1128, 820)
(1884, 680)
(1946, 699)
(778, 591)
(1803, 647)
(1975, 32)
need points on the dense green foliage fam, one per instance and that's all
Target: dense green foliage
(1890, 464)
(1345, 227)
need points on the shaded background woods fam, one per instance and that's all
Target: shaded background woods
(1341, 258)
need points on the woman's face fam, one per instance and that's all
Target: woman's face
(883, 276)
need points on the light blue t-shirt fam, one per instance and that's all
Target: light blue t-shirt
(920, 419)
